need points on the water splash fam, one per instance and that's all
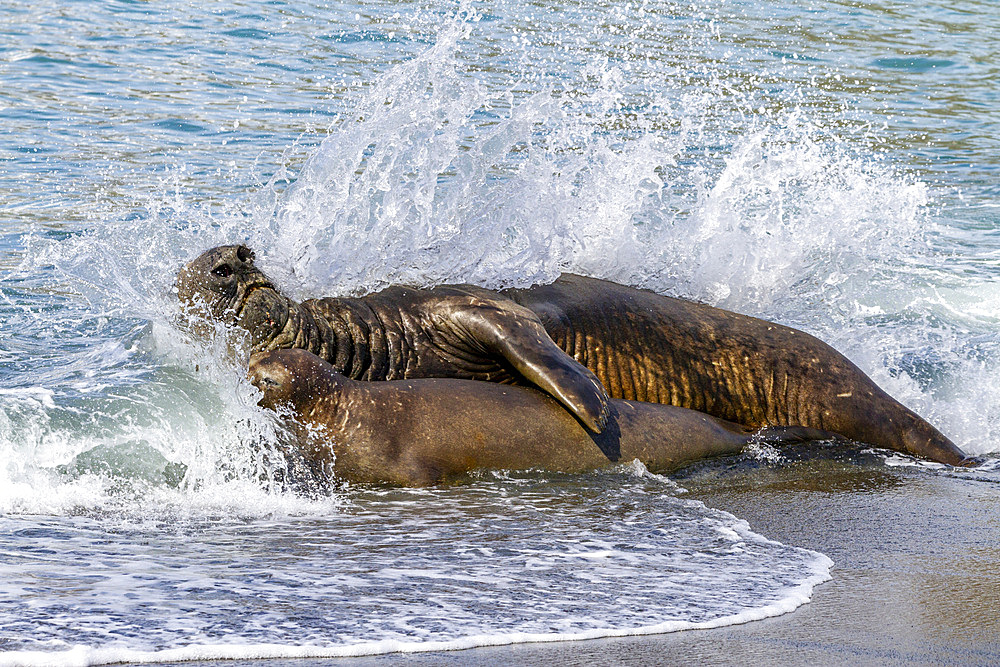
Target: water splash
(679, 173)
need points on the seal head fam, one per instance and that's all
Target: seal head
(291, 379)
(224, 284)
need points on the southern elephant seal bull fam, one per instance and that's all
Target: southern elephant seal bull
(641, 346)
(423, 431)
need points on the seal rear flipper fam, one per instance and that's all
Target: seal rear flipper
(785, 435)
(516, 334)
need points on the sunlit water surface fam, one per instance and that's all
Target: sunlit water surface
(829, 165)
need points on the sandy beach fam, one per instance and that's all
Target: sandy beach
(916, 578)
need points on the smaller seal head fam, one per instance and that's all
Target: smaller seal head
(292, 378)
(272, 377)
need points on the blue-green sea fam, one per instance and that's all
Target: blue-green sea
(833, 165)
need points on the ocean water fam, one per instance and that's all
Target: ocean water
(828, 164)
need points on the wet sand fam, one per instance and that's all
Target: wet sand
(916, 577)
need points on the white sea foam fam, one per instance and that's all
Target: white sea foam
(82, 656)
(400, 571)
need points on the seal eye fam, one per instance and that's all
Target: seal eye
(223, 271)
(244, 254)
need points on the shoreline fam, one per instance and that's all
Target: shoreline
(915, 576)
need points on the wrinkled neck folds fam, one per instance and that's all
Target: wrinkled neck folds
(360, 340)
(348, 333)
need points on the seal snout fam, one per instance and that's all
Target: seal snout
(232, 259)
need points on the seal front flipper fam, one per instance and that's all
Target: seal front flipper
(516, 334)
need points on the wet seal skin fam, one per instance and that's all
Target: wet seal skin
(456, 331)
(423, 431)
(640, 346)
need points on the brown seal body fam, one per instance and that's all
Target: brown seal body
(422, 431)
(647, 347)
(640, 345)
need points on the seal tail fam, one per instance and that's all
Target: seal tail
(896, 427)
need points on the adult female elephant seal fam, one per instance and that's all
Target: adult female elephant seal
(641, 345)
(423, 431)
